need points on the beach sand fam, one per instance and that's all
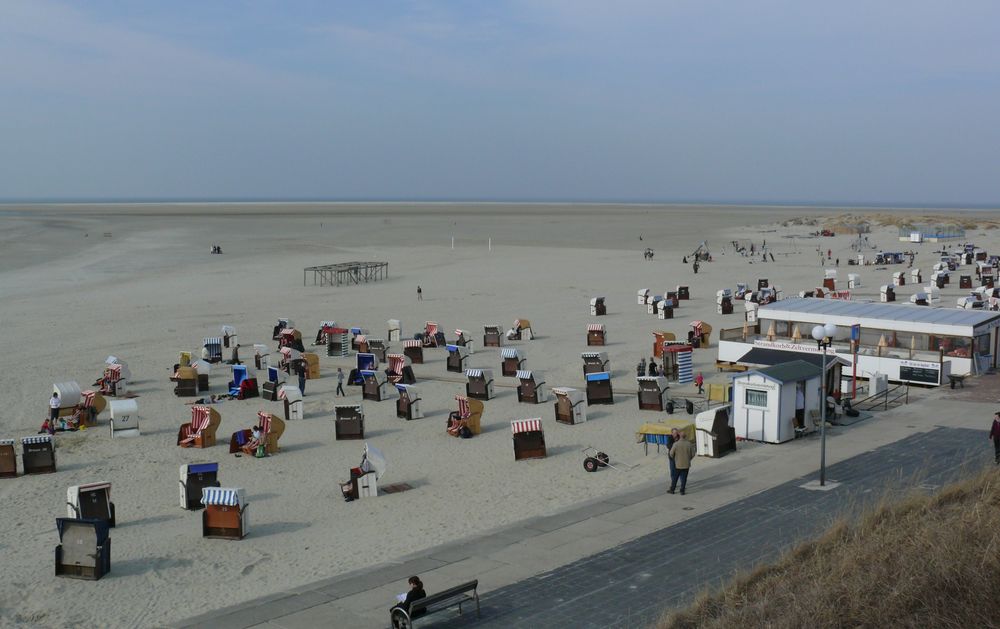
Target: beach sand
(71, 296)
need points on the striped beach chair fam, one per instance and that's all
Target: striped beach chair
(200, 431)
(531, 389)
(272, 427)
(595, 362)
(480, 384)
(38, 454)
(469, 414)
(399, 370)
(8, 459)
(457, 357)
(596, 334)
(431, 334)
(226, 513)
(511, 361)
(529, 439)
(408, 404)
(414, 350)
(213, 346)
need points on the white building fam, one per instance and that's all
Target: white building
(764, 401)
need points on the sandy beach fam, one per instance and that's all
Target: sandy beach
(70, 295)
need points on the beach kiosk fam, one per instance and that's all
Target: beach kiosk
(408, 404)
(399, 370)
(595, 362)
(193, 478)
(458, 356)
(597, 307)
(375, 387)
(511, 360)
(124, 418)
(765, 400)
(84, 550)
(395, 330)
(414, 350)
(225, 515)
(570, 405)
(200, 431)
(38, 454)
(532, 388)
(348, 421)
(652, 393)
(597, 335)
(377, 347)
(480, 384)
(599, 389)
(291, 397)
(91, 502)
(492, 336)
(8, 459)
(529, 439)
(715, 433)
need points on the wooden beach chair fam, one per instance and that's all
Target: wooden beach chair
(595, 362)
(599, 390)
(225, 515)
(531, 389)
(38, 454)
(480, 384)
(291, 396)
(458, 356)
(469, 414)
(193, 478)
(8, 459)
(492, 336)
(200, 431)
(528, 438)
(399, 370)
(596, 334)
(124, 418)
(84, 550)
(187, 382)
(408, 404)
(349, 421)
(570, 405)
(652, 393)
(414, 350)
(511, 361)
(91, 501)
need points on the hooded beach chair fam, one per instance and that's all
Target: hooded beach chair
(275, 378)
(69, 396)
(8, 459)
(664, 308)
(469, 414)
(643, 294)
(399, 370)
(184, 359)
(531, 389)
(271, 428)
(200, 431)
(312, 365)
(464, 339)
(570, 405)
(480, 384)
(38, 454)
(365, 477)
(194, 478)
(652, 393)
(375, 387)
(915, 276)
(213, 344)
(288, 357)
(433, 336)
(887, 293)
(700, 333)
(84, 550)
(492, 336)
(279, 326)
(290, 337)
(113, 382)
(242, 385)
(596, 334)
(291, 396)
(599, 389)
(377, 347)
(337, 342)
(93, 404)
(325, 327)
(394, 330)
(724, 301)
(529, 439)
(511, 361)
(187, 382)
(595, 362)
(261, 356)
(91, 502)
(597, 307)
(348, 421)
(408, 404)
(458, 358)
(363, 362)
(229, 338)
(683, 292)
(124, 418)
(359, 336)
(521, 331)
(226, 514)
(653, 304)
(202, 369)
(414, 350)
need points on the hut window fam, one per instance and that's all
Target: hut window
(756, 397)
(782, 328)
(983, 344)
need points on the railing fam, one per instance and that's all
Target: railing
(892, 396)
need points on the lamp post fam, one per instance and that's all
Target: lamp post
(824, 337)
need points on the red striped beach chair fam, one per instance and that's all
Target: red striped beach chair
(596, 334)
(469, 414)
(414, 350)
(529, 439)
(200, 431)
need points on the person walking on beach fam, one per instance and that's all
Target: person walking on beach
(652, 368)
(300, 370)
(682, 451)
(420, 293)
(699, 381)
(995, 436)
(54, 403)
(340, 383)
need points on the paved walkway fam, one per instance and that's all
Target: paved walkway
(619, 560)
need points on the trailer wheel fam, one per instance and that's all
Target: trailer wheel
(603, 459)
(670, 407)
(689, 406)
(590, 464)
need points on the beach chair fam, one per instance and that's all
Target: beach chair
(915, 276)
(291, 337)
(323, 331)
(853, 281)
(202, 369)
(289, 355)
(595, 362)
(492, 336)
(414, 350)
(652, 393)
(279, 326)
(229, 337)
(664, 309)
(529, 439)
(272, 428)
(225, 515)
(653, 304)
(337, 343)
(887, 293)
(433, 336)
(38, 454)
(194, 478)
(724, 301)
(899, 278)
(213, 345)
(261, 356)
(200, 431)
(8, 459)
(699, 334)
(187, 382)
(349, 421)
(312, 365)
(570, 405)
(375, 387)
(599, 390)
(408, 404)
(399, 370)
(683, 292)
(511, 361)
(464, 339)
(394, 331)
(597, 307)
(242, 386)
(659, 338)
(532, 388)
(365, 477)
(643, 294)
(125, 371)
(91, 502)
(275, 378)
(93, 403)
(184, 359)
(521, 331)
(69, 397)
(458, 358)
(480, 384)
(84, 550)
(377, 347)
(113, 381)
(124, 418)
(359, 337)
(719, 393)
(596, 334)
(965, 281)
(292, 398)
(468, 415)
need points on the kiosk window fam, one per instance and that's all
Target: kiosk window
(756, 397)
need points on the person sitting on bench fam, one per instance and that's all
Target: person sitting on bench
(416, 592)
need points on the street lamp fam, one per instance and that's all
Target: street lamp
(824, 337)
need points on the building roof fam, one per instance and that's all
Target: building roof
(792, 371)
(767, 356)
(902, 317)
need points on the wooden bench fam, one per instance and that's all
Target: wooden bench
(429, 605)
(724, 365)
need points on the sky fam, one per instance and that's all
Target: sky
(893, 102)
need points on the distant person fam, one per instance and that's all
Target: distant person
(640, 369)
(995, 436)
(236, 356)
(420, 294)
(340, 382)
(682, 451)
(300, 369)
(699, 381)
(800, 408)
(837, 263)
(653, 371)
(829, 254)
(54, 404)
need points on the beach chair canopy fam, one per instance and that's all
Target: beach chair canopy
(69, 393)
(376, 460)
(652, 382)
(527, 374)
(486, 374)
(518, 426)
(572, 394)
(290, 392)
(397, 362)
(596, 300)
(493, 327)
(595, 327)
(202, 367)
(223, 496)
(430, 327)
(412, 343)
(393, 324)
(602, 356)
(36, 439)
(410, 390)
(509, 352)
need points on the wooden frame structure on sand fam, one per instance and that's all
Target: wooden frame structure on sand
(346, 273)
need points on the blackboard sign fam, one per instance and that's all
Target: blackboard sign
(926, 375)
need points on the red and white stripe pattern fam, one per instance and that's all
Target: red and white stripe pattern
(463, 406)
(361, 338)
(200, 418)
(396, 364)
(525, 425)
(430, 328)
(412, 343)
(88, 398)
(264, 422)
(595, 327)
(517, 324)
(113, 373)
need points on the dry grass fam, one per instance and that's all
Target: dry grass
(909, 219)
(922, 561)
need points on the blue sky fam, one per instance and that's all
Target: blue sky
(788, 101)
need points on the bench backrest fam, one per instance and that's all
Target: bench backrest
(427, 601)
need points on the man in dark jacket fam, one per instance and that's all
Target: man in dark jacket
(682, 451)
(995, 436)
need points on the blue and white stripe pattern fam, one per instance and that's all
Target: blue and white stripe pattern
(36, 439)
(685, 373)
(6, 442)
(524, 374)
(509, 352)
(226, 496)
(474, 373)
